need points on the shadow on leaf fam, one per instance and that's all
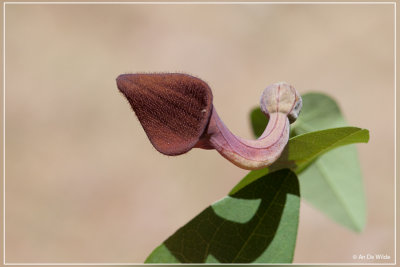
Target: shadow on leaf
(256, 224)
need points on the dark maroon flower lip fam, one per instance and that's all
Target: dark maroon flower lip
(173, 108)
(177, 114)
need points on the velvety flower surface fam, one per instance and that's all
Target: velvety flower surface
(173, 108)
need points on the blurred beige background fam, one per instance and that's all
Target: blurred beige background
(84, 184)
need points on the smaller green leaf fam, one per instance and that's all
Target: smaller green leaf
(257, 224)
(258, 121)
(304, 149)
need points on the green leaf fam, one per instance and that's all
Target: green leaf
(333, 183)
(258, 121)
(319, 112)
(257, 224)
(303, 149)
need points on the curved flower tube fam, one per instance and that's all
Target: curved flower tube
(177, 114)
